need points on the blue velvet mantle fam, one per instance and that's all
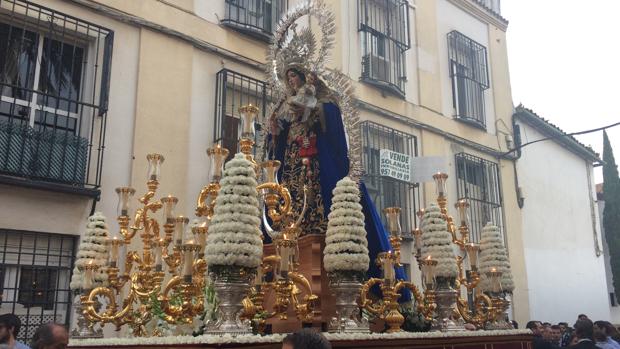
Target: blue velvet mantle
(334, 165)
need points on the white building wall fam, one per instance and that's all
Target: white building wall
(449, 18)
(565, 276)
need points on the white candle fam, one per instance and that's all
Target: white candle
(189, 263)
(114, 243)
(88, 275)
(158, 255)
(259, 276)
(218, 164)
(284, 258)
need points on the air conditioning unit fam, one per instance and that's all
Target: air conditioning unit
(377, 68)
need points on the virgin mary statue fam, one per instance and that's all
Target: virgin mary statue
(307, 132)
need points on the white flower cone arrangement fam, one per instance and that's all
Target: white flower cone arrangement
(234, 244)
(346, 246)
(93, 250)
(493, 255)
(345, 256)
(437, 243)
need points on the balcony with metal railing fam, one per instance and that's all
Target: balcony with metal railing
(384, 32)
(54, 78)
(257, 18)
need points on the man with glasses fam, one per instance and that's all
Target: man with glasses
(9, 328)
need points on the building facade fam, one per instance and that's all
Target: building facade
(91, 86)
(561, 229)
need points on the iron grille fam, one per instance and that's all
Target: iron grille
(384, 27)
(234, 90)
(257, 18)
(34, 278)
(387, 191)
(54, 82)
(478, 181)
(470, 78)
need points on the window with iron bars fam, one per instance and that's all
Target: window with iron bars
(384, 29)
(478, 182)
(257, 18)
(54, 80)
(470, 78)
(387, 191)
(234, 90)
(35, 273)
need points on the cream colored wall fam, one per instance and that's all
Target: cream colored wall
(202, 119)
(163, 111)
(42, 211)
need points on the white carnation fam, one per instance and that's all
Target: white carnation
(234, 237)
(92, 248)
(346, 247)
(437, 242)
(493, 255)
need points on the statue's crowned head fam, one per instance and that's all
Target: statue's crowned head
(297, 58)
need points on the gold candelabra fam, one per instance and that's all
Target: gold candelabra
(288, 286)
(206, 199)
(387, 308)
(180, 298)
(478, 308)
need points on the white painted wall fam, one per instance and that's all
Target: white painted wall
(565, 277)
(449, 18)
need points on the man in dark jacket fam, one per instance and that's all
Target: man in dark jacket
(538, 342)
(584, 330)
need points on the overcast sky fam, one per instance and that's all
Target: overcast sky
(564, 64)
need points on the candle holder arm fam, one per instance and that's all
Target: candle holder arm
(304, 310)
(482, 312)
(366, 302)
(276, 210)
(110, 315)
(204, 208)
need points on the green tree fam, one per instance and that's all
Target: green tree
(611, 214)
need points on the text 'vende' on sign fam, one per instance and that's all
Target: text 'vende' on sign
(395, 165)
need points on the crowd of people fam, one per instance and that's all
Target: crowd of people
(584, 334)
(48, 336)
(55, 336)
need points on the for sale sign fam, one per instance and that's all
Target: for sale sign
(394, 164)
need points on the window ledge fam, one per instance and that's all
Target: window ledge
(49, 186)
(471, 122)
(384, 86)
(247, 29)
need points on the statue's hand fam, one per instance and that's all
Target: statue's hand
(297, 109)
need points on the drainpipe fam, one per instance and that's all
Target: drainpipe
(597, 248)
(516, 129)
